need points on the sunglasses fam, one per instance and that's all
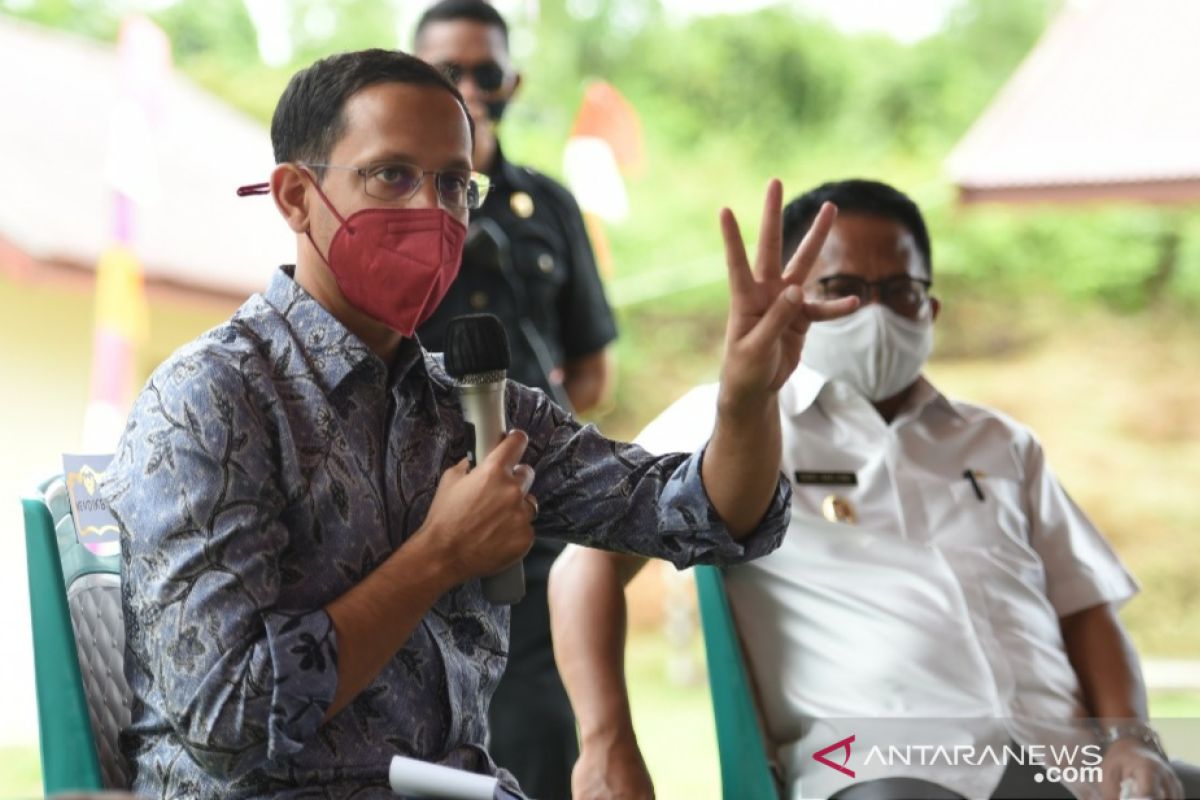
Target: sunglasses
(488, 76)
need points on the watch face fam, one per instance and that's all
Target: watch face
(1139, 732)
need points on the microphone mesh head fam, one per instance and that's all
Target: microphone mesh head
(476, 343)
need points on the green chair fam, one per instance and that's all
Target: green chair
(78, 649)
(745, 768)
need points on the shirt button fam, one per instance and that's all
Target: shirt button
(521, 204)
(479, 300)
(545, 262)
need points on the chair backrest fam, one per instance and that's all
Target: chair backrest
(79, 649)
(745, 767)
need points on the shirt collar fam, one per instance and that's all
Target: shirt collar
(499, 162)
(806, 386)
(801, 390)
(504, 173)
(928, 396)
(330, 349)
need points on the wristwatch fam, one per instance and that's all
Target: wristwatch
(1138, 731)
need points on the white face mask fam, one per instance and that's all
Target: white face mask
(874, 350)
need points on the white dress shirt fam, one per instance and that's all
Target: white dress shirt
(931, 619)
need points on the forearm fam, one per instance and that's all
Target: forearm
(586, 380)
(1106, 664)
(375, 618)
(741, 465)
(588, 622)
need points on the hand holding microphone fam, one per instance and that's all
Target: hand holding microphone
(480, 517)
(484, 516)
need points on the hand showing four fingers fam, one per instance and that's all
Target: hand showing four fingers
(768, 315)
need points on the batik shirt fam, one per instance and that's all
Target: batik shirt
(269, 467)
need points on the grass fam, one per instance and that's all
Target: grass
(20, 772)
(1175, 704)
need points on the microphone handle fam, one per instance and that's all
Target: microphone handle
(483, 408)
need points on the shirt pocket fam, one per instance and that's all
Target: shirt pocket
(988, 511)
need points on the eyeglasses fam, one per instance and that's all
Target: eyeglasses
(905, 295)
(394, 181)
(488, 76)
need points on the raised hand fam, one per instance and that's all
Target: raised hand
(768, 315)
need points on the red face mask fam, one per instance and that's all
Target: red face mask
(394, 264)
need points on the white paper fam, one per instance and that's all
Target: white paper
(414, 778)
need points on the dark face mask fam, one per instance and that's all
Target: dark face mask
(495, 109)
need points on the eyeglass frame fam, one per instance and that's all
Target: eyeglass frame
(483, 182)
(874, 289)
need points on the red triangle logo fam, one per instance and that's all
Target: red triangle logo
(844, 744)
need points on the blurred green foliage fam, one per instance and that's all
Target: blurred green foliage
(730, 101)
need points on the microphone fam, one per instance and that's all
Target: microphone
(477, 358)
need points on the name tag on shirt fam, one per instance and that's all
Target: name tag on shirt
(809, 478)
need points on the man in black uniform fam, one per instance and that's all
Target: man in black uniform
(528, 261)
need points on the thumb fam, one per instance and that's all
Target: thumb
(456, 473)
(508, 452)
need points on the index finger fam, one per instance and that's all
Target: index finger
(508, 452)
(740, 280)
(810, 247)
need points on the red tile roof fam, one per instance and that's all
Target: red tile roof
(1107, 105)
(58, 93)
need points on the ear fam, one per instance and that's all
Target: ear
(935, 306)
(289, 190)
(515, 86)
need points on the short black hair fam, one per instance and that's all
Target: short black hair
(855, 196)
(474, 10)
(308, 119)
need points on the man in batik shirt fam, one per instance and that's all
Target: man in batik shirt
(302, 540)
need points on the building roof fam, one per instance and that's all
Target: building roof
(1104, 107)
(58, 93)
